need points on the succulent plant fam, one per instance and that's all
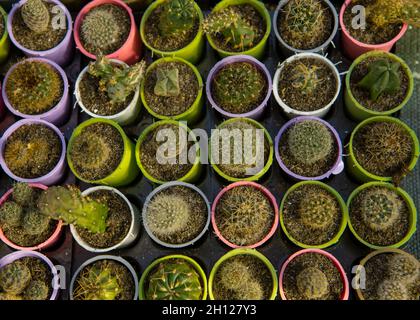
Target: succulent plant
(312, 283)
(4, 296)
(403, 267)
(174, 280)
(35, 223)
(178, 16)
(309, 141)
(23, 193)
(252, 290)
(306, 78)
(67, 204)
(35, 15)
(11, 214)
(392, 290)
(385, 12)
(36, 290)
(167, 82)
(317, 210)
(15, 277)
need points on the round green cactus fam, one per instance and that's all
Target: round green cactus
(11, 214)
(15, 277)
(35, 15)
(392, 290)
(312, 283)
(37, 290)
(317, 210)
(23, 194)
(403, 267)
(35, 223)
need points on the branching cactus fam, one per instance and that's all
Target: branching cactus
(312, 283)
(174, 280)
(15, 277)
(178, 16)
(35, 15)
(317, 210)
(385, 12)
(392, 290)
(306, 78)
(11, 214)
(23, 193)
(35, 223)
(69, 205)
(37, 290)
(403, 267)
(167, 82)
(383, 77)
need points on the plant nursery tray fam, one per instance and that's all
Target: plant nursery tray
(208, 249)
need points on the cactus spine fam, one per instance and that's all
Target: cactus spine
(37, 290)
(11, 214)
(23, 194)
(317, 210)
(306, 78)
(35, 223)
(392, 290)
(178, 16)
(312, 283)
(167, 83)
(15, 277)
(404, 268)
(35, 15)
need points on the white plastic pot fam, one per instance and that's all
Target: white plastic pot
(125, 117)
(291, 113)
(132, 232)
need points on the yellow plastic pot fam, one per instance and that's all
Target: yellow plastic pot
(4, 40)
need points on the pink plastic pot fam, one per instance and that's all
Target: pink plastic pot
(346, 290)
(270, 197)
(354, 48)
(130, 51)
(48, 243)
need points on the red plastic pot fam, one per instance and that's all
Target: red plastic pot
(130, 51)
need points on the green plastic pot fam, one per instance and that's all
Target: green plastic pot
(358, 111)
(258, 50)
(194, 111)
(197, 267)
(344, 213)
(4, 40)
(362, 175)
(191, 175)
(269, 160)
(191, 52)
(126, 171)
(408, 200)
(244, 251)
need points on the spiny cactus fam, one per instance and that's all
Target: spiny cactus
(306, 78)
(385, 12)
(317, 210)
(15, 277)
(119, 82)
(312, 283)
(23, 193)
(383, 77)
(35, 15)
(167, 83)
(309, 141)
(11, 214)
(174, 280)
(178, 16)
(4, 296)
(37, 290)
(67, 204)
(392, 290)
(403, 267)
(252, 290)
(35, 223)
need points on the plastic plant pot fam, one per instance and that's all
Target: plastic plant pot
(61, 54)
(407, 199)
(192, 52)
(354, 48)
(124, 117)
(130, 51)
(55, 236)
(336, 169)
(361, 174)
(269, 196)
(117, 259)
(346, 291)
(11, 257)
(355, 109)
(132, 232)
(4, 40)
(52, 177)
(290, 112)
(268, 163)
(126, 172)
(192, 114)
(257, 112)
(244, 251)
(2, 107)
(258, 50)
(190, 176)
(343, 208)
(288, 50)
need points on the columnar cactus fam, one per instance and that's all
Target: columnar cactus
(317, 210)
(178, 16)
(37, 290)
(35, 223)
(392, 290)
(306, 78)
(14, 277)
(312, 283)
(11, 214)
(35, 15)
(167, 82)
(404, 268)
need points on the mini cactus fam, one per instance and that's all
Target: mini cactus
(35, 15)
(174, 280)
(35, 223)
(403, 267)
(167, 83)
(317, 210)
(309, 141)
(178, 16)
(37, 290)
(306, 78)
(385, 12)
(23, 193)
(312, 283)
(11, 214)
(234, 274)
(15, 277)
(392, 290)
(67, 204)
(252, 290)
(4, 296)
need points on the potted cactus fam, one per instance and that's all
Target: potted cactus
(383, 149)
(244, 214)
(239, 86)
(378, 84)
(28, 275)
(381, 215)
(313, 215)
(308, 148)
(4, 36)
(100, 152)
(305, 26)
(173, 89)
(173, 28)
(243, 274)
(33, 151)
(110, 89)
(42, 28)
(104, 278)
(176, 214)
(306, 84)
(389, 274)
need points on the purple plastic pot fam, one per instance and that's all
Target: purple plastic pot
(62, 53)
(52, 177)
(1, 104)
(253, 114)
(22, 254)
(338, 166)
(56, 115)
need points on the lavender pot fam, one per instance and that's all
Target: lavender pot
(56, 115)
(52, 177)
(61, 54)
(253, 114)
(336, 169)
(23, 254)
